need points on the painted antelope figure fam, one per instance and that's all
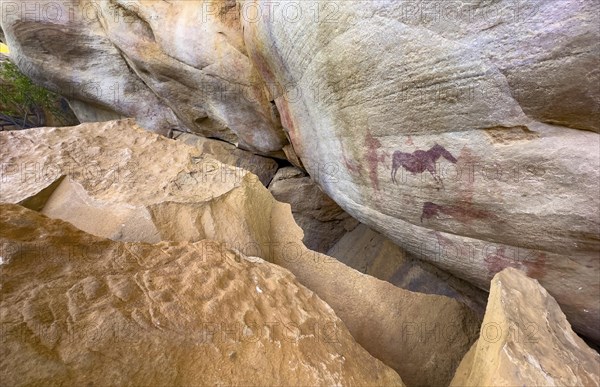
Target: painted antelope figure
(420, 161)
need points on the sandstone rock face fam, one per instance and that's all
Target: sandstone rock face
(263, 167)
(171, 65)
(168, 191)
(371, 253)
(463, 132)
(321, 219)
(526, 340)
(428, 130)
(102, 312)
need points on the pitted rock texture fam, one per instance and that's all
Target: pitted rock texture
(112, 160)
(169, 64)
(77, 309)
(526, 340)
(467, 138)
(321, 219)
(177, 194)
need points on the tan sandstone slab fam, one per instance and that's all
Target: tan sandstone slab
(526, 341)
(78, 309)
(371, 253)
(263, 167)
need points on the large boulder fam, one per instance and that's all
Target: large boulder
(171, 65)
(141, 186)
(82, 310)
(464, 132)
(526, 341)
(321, 219)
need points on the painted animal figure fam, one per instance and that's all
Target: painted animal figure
(420, 161)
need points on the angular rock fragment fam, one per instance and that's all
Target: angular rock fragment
(526, 340)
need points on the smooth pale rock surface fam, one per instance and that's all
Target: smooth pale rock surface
(87, 112)
(371, 253)
(186, 197)
(429, 130)
(69, 201)
(263, 167)
(526, 340)
(77, 309)
(170, 64)
(321, 219)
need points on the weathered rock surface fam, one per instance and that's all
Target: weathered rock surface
(321, 219)
(171, 65)
(526, 340)
(78, 309)
(371, 253)
(187, 197)
(461, 131)
(429, 130)
(114, 162)
(70, 202)
(419, 335)
(263, 167)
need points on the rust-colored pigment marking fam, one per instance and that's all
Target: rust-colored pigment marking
(537, 268)
(373, 158)
(498, 261)
(420, 161)
(287, 120)
(351, 165)
(462, 213)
